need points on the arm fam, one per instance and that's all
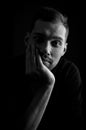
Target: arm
(36, 109)
(38, 106)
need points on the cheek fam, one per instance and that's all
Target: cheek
(56, 53)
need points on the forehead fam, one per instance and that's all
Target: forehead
(50, 29)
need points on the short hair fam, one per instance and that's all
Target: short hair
(49, 14)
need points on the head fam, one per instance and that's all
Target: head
(48, 32)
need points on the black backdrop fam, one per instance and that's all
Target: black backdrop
(14, 25)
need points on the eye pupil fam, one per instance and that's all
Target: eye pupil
(56, 43)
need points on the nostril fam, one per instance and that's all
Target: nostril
(44, 56)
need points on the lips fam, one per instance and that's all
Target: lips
(44, 57)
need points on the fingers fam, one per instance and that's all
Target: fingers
(28, 59)
(39, 62)
(34, 59)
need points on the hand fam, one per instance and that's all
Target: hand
(35, 65)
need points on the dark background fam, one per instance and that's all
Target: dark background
(14, 26)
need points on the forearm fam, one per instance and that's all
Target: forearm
(38, 107)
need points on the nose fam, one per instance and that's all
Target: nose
(46, 48)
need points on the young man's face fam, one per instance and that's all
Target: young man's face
(50, 40)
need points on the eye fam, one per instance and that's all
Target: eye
(38, 39)
(56, 43)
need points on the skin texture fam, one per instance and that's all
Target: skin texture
(45, 46)
(50, 40)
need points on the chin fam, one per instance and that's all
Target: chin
(54, 65)
(49, 66)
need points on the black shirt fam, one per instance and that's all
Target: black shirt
(64, 110)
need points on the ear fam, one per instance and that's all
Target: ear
(26, 38)
(65, 48)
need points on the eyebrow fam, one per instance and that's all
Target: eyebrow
(57, 38)
(53, 37)
(39, 34)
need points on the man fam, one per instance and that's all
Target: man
(51, 96)
(55, 78)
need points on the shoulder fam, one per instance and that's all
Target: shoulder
(66, 66)
(68, 71)
(71, 72)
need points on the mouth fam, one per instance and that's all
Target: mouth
(45, 58)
